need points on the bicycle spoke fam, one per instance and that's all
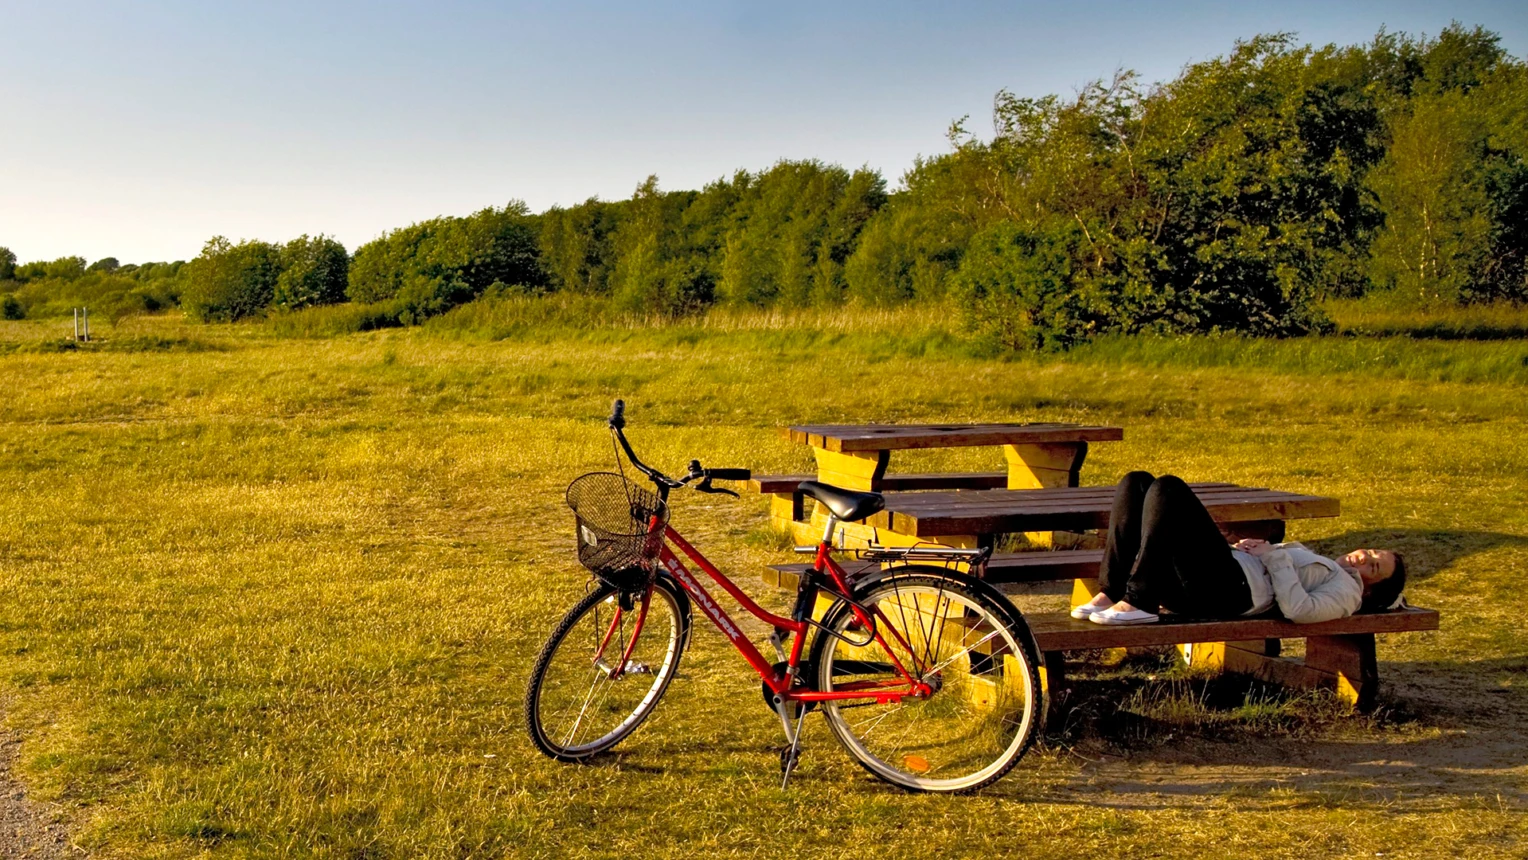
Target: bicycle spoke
(961, 653)
(875, 722)
(968, 728)
(582, 712)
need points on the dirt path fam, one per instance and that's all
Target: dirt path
(27, 829)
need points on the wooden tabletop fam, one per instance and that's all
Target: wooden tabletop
(976, 512)
(893, 437)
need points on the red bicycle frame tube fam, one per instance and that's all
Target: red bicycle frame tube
(636, 631)
(882, 691)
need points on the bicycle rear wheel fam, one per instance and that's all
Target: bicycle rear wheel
(963, 640)
(574, 708)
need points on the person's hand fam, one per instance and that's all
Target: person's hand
(1253, 547)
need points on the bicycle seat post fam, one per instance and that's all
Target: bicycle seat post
(827, 532)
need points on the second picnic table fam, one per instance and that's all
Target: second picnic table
(856, 457)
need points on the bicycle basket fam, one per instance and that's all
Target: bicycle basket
(612, 516)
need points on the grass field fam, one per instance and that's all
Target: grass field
(275, 596)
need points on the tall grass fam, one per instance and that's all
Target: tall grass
(331, 320)
(1385, 315)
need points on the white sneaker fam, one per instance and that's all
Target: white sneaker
(1083, 611)
(1128, 616)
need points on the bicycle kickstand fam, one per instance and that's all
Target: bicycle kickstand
(792, 752)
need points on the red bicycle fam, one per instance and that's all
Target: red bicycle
(928, 676)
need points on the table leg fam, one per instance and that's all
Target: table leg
(1343, 664)
(854, 470)
(1033, 467)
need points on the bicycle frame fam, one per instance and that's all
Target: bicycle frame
(779, 683)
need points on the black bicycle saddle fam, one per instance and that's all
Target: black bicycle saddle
(845, 504)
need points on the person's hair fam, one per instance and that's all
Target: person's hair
(1383, 593)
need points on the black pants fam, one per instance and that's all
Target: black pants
(1164, 550)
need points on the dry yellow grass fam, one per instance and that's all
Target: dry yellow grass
(279, 598)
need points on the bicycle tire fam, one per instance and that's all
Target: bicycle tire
(985, 711)
(566, 665)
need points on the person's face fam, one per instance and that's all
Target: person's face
(1372, 565)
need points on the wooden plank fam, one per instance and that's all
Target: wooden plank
(1003, 567)
(1057, 631)
(1092, 494)
(893, 437)
(995, 511)
(893, 483)
(1070, 495)
(1041, 507)
(928, 526)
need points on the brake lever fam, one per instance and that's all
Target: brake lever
(705, 487)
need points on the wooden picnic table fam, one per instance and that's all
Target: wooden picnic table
(1040, 494)
(856, 456)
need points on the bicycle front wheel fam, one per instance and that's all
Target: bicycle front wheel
(577, 704)
(974, 652)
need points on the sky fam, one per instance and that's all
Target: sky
(139, 130)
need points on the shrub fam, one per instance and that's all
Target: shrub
(230, 282)
(433, 266)
(1019, 289)
(313, 272)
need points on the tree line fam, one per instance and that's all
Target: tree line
(1234, 197)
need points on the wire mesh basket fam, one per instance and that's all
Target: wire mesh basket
(613, 516)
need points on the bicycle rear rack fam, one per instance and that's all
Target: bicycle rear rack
(948, 556)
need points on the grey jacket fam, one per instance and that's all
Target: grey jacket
(1310, 588)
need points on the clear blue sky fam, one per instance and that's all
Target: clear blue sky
(140, 129)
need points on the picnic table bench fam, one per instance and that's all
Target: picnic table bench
(1039, 495)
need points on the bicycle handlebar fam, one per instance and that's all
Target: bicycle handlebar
(704, 476)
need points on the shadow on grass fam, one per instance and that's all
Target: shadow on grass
(1150, 737)
(1426, 550)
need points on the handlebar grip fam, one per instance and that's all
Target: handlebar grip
(618, 415)
(730, 474)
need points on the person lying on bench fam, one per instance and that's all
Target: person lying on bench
(1165, 551)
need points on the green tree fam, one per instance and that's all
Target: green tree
(1453, 185)
(314, 271)
(651, 273)
(432, 266)
(231, 282)
(62, 269)
(575, 246)
(7, 264)
(793, 228)
(1437, 223)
